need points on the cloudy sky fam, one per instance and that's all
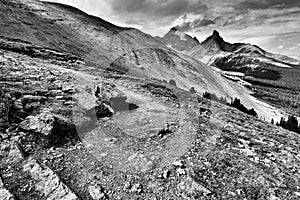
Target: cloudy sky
(272, 24)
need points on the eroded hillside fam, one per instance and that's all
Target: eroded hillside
(56, 143)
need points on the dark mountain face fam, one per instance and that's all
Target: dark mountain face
(179, 40)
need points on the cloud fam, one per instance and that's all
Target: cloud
(197, 8)
(187, 26)
(156, 11)
(265, 4)
(152, 9)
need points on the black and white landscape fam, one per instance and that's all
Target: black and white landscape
(145, 99)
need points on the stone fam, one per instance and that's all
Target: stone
(181, 171)
(191, 187)
(127, 185)
(96, 193)
(115, 98)
(16, 152)
(166, 174)
(48, 183)
(42, 124)
(30, 98)
(68, 88)
(177, 163)
(140, 162)
(137, 188)
(70, 103)
(18, 104)
(5, 105)
(4, 193)
(45, 126)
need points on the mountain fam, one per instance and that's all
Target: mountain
(91, 110)
(106, 47)
(273, 77)
(246, 58)
(178, 40)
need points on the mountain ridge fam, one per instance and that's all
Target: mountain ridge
(178, 40)
(215, 43)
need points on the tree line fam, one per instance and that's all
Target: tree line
(236, 103)
(291, 124)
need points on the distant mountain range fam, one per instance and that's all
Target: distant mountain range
(248, 59)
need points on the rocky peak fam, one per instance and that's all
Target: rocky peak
(173, 29)
(179, 40)
(215, 38)
(216, 33)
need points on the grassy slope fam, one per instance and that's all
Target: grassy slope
(231, 154)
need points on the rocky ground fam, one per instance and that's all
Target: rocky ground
(61, 138)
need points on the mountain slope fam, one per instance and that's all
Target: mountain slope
(103, 46)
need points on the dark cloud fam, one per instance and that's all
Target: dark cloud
(151, 7)
(260, 17)
(265, 4)
(203, 22)
(187, 26)
(153, 10)
(197, 8)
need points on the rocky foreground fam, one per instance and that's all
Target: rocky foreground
(63, 139)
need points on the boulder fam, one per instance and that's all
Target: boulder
(96, 193)
(16, 152)
(192, 187)
(115, 98)
(46, 127)
(42, 124)
(48, 183)
(4, 193)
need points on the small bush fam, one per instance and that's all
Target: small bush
(192, 90)
(173, 82)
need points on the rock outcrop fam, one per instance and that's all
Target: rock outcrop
(48, 183)
(4, 193)
(45, 128)
(5, 104)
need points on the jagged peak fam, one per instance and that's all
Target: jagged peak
(173, 29)
(215, 37)
(216, 33)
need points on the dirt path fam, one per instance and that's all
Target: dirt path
(131, 140)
